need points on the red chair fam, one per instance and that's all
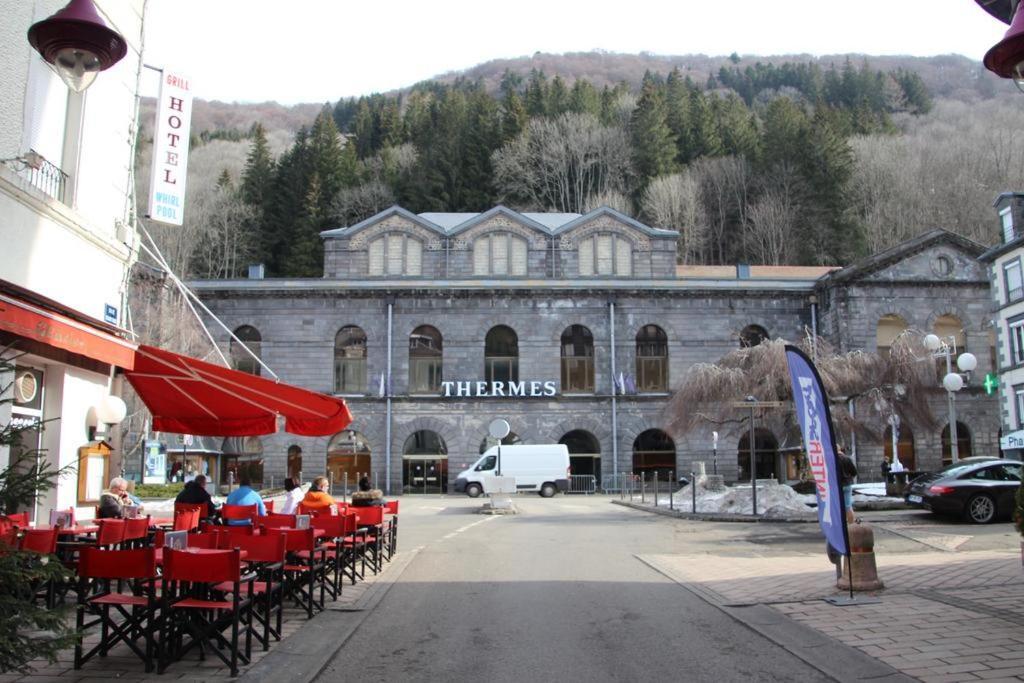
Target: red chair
(304, 568)
(265, 555)
(111, 532)
(186, 520)
(136, 531)
(245, 529)
(268, 505)
(183, 507)
(371, 518)
(206, 541)
(239, 512)
(192, 607)
(353, 543)
(337, 528)
(137, 609)
(42, 541)
(279, 521)
(18, 519)
(391, 510)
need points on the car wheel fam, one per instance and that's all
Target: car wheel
(981, 509)
(474, 490)
(548, 490)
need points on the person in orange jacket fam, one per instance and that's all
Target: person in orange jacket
(317, 497)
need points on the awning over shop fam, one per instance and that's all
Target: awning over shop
(39, 324)
(190, 396)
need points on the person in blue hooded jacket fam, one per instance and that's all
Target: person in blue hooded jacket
(245, 495)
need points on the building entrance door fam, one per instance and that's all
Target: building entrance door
(424, 474)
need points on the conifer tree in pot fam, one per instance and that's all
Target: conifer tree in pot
(28, 629)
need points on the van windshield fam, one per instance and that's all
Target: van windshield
(486, 464)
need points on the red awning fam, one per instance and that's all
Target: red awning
(190, 396)
(49, 327)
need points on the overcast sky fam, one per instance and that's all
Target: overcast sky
(319, 50)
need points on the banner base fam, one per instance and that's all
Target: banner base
(848, 601)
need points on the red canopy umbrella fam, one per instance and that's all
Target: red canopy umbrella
(190, 396)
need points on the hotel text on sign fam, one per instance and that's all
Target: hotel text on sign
(170, 150)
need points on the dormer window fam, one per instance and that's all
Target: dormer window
(1006, 216)
(396, 254)
(500, 253)
(605, 254)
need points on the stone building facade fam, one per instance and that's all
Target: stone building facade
(573, 328)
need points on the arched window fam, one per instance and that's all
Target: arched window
(488, 441)
(765, 451)
(654, 451)
(395, 254)
(584, 453)
(904, 447)
(963, 443)
(889, 327)
(752, 335)
(294, 461)
(242, 459)
(605, 254)
(350, 361)
(242, 359)
(424, 463)
(425, 360)
(501, 355)
(651, 359)
(577, 360)
(500, 253)
(348, 458)
(950, 330)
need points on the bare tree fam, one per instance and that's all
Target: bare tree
(353, 204)
(770, 219)
(612, 199)
(226, 241)
(557, 164)
(673, 202)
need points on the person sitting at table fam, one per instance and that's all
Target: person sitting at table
(113, 500)
(292, 498)
(245, 495)
(317, 497)
(195, 492)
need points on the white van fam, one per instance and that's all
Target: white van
(543, 468)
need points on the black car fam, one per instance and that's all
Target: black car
(978, 489)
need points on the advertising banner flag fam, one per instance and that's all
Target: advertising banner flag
(819, 442)
(170, 149)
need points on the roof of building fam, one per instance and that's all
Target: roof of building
(755, 272)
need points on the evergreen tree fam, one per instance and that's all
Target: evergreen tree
(514, 117)
(537, 94)
(677, 103)
(224, 180)
(737, 127)
(558, 97)
(654, 146)
(259, 169)
(704, 138)
(364, 129)
(584, 98)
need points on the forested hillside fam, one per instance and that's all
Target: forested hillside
(769, 161)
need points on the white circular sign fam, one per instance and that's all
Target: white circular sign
(499, 428)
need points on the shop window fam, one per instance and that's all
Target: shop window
(500, 253)
(652, 359)
(889, 328)
(605, 254)
(501, 355)
(395, 254)
(240, 358)
(426, 360)
(295, 462)
(654, 454)
(752, 335)
(350, 361)
(577, 360)
(963, 443)
(348, 458)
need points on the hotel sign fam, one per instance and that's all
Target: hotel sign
(484, 389)
(170, 150)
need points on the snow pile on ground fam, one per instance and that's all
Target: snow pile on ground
(773, 500)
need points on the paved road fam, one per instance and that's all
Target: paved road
(553, 593)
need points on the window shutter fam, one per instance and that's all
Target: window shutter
(586, 266)
(519, 256)
(604, 254)
(377, 257)
(623, 257)
(395, 254)
(481, 256)
(499, 254)
(413, 257)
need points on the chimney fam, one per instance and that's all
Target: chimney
(256, 271)
(742, 271)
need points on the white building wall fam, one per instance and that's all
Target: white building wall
(1009, 375)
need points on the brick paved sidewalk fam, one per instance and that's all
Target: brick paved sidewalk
(942, 616)
(121, 664)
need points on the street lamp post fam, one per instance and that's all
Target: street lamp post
(953, 381)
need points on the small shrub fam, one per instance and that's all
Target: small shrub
(158, 490)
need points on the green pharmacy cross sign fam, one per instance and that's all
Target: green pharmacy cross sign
(991, 383)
